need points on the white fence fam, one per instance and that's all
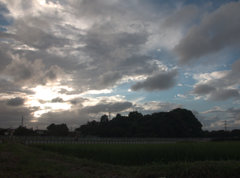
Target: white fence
(81, 140)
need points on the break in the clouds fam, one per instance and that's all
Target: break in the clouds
(71, 60)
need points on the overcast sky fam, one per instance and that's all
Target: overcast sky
(71, 61)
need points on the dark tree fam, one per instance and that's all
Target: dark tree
(104, 119)
(57, 130)
(135, 115)
(23, 131)
(176, 123)
(235, 133)
(2, 131)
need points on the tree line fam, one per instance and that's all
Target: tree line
(52, 130)
(176, 123)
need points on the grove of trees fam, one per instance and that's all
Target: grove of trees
(176, 123)
(57, 130)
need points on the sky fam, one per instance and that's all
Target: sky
(71, 61)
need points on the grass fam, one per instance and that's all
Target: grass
(23, 161)
(76, 160)
(141, 154)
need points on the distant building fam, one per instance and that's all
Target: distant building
(9, 132)
(41, 132)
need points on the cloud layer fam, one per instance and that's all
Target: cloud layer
(161, 81)
(219, 85)
(71, 61)
(217, 30)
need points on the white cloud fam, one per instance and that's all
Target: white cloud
(181, 96)
(206, 77)
(218, 85)
(213, 110)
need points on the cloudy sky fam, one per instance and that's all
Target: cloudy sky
(71, 61)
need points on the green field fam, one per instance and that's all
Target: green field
(210, 159)
(141, 154)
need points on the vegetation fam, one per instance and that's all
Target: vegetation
(176, 123)
(140, 154)
(24, 161)
(22, 131)
(179, 123)
(57, 130)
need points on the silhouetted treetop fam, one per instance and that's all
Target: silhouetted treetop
(176, 123)
(57, 130)
(23, 131)
(104, 118)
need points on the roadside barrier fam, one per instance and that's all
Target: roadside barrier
(90, 140)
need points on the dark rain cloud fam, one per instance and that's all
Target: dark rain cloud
(216, 31)
(11, 116)
(203, 89)
(9, 87)
(224, 94)
(108, 107)
(161, 81)
(33, 36)
(221, 88)
(96, 57)
(5, 57)
(24, 71)
(15, 101)
(57, 100)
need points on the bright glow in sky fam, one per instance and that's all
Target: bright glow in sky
(47, 99)
(44, 93)
(70, 61)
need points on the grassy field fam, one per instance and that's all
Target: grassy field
(141, 154)
(218, 159)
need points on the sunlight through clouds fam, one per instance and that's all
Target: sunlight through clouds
(71, 60)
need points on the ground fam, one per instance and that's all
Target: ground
(26, 161)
